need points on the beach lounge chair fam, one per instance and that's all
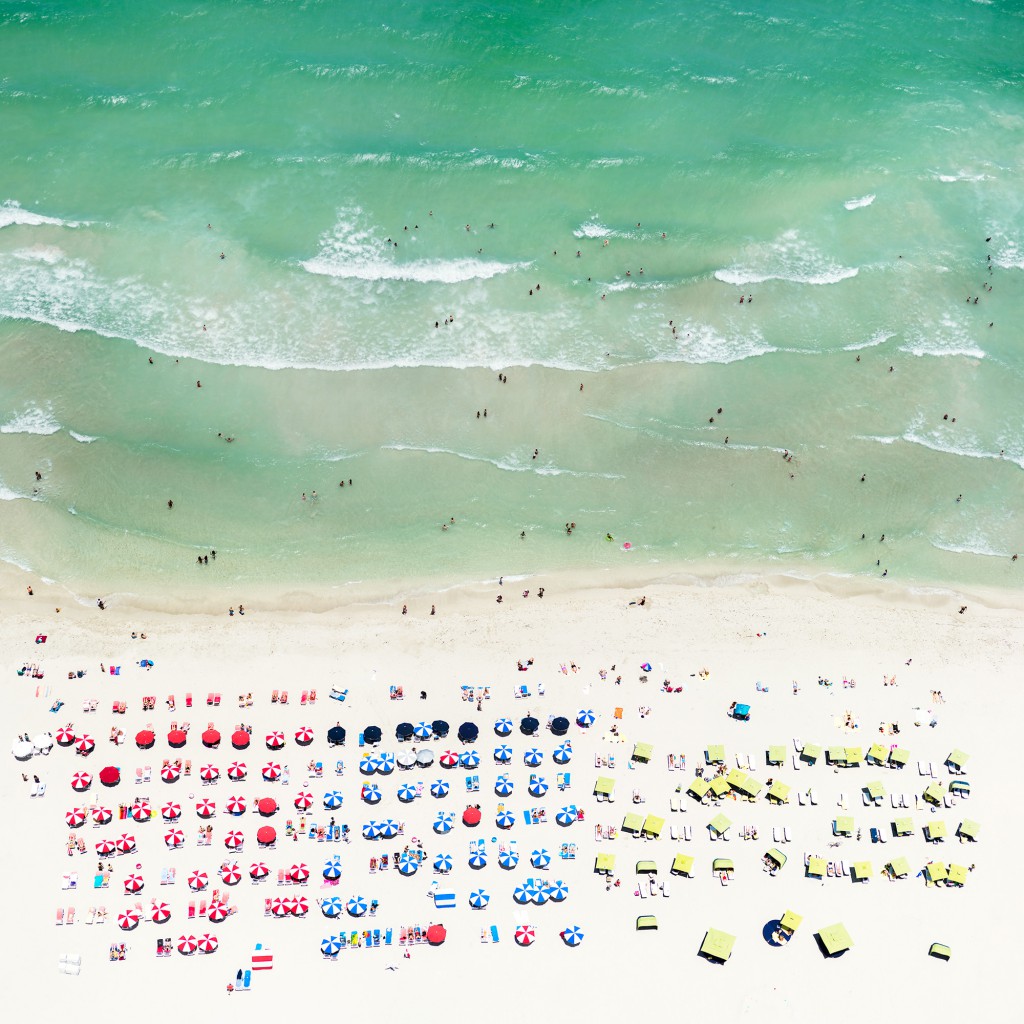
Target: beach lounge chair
(796, 763)
(494, 933)
(70, 916)
(60, 915)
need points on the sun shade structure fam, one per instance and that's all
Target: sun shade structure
(936, 872)
(899, 757)
(957, 760)
(646, 922)
(717, 945)
(969, 829)
(843, 825)
(777, 856)
(604, 786)
(699, 788)
(875, 790)
(862, 870)
(935, 830)
(646, 867)
(957, 874)
(715, 753)
(940, 951)
(835, 938)
(816, 867)
(604, 863)
(854, 756)
(643, 752)
(719, 787)
(810, 753)
(898, 867)
(632, 823)
(776, 754)
(720, 824)
(682, 865)
(878, 753)
(779, 792)
(721, 864)
(790, 921)
(903, 826)
(934, 793)
(653, 826)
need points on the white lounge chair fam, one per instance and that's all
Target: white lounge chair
(801, 799)
(796, 763)
(923, 768)
(688, 833)
(666, 889)
(813, 797)
(785, 834)
(672, 831)
(894, 800)
(775, 835)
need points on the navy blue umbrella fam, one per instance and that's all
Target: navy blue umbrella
(372, 734)
(560, 726)
(468, 732)
(440, 727)
(529, 726)
(335, 736)
(403, 731)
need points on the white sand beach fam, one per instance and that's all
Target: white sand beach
(753, 637)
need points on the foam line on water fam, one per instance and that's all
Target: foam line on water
(510, 465)
(31, 420)
(788, 258)
(12, 212)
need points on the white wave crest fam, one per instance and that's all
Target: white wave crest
(788, 258)
(878, 338)
(32, 420)
(83, 438)
(12, 212)
(510, 465)
(857, 204)
(593, 229)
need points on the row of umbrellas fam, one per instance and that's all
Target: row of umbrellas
(385, 763)
(177, 738)
(160, 913)
(187, 944)
(525, 935)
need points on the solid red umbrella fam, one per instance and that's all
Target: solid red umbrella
(275, 740)
(177, 738)
(133, 883)
(471, 817)
(236, 805)
(140, 811)
(160, 913)
(102, 815)
(128, 919)
(271, 771)
(187, 944)
(258, 869)
(436, 934)
(105, 847)
(125, 843)
(298, 873)
(65, 736)
(110, 776)
(267, 806)
(525, 935)
(207, 943)
(230, 875)
(449, 759)
(266, 835)
(237, 771)
(81, 781)
(209, 773)
(301, 906)
(174, 838)
(206, 808)
(233, 840)
(278, 907)
(144, 739)
(198, 880)
(303, 800)
(85, 746)
(218, 912)
(240, 739)
(304, 736)
(171, 811)
(211, 738)
(75, 817)
(170, 773)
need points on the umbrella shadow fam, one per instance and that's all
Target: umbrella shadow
(770, 931)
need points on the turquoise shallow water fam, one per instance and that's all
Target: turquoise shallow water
(855, 171)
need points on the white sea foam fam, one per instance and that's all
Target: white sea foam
(83, 438)
(976, 546)
(788, 258)
(512, 464)
(857, 204)
(32, 420)
(6, 494)
(936, 445)
(878, 338)
(12, 212)
(593, 229)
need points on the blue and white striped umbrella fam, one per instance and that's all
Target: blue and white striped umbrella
(504, 819)
(563, 753)
(371, 794)
(478, 899)
(406, 792)
(540, 858)
(439, 788)
(533, 757)
(423, 731)
(385, 764)
(503, 786)
(503, 753)
(557, 891)
(356, 906)
(332, 906)
(573, 935)
(370, 830)
(443, 862)
(503, 726)
(565, 815)
(478, 859)
(538, 787)
(586, 718)
(538, 895)
(387, 829)
(522, 894)
(368, 764)
(508, 859)
(333, 800)
(443, 825)
(331, 946)
(409, 866)
(332, 869)
(469, 759)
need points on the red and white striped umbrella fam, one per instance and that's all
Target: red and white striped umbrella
(304, 736)
(303, 801)
(105, 847)
(298, 873)
(81, 781)
(65, 736)
(209, 773)
(234, 839)
(237, 771)
(187, 944)
(290, 904)
(449, 759)
(134, 883)
(275, 740)
(171, 811)
(278, 907)
(174, 838)
(141, 811)
(160, 913)
(75, 817)
(271, 771)
(198, 880)
(85, 745)
(230, 875)
(301, 907)
(218, 912)
(125, 843)
(170, 773)
(102, 815)
(258, 870)
(525, 935)
(236, 805)
(206, 808)
(207, 943)
(128, 919)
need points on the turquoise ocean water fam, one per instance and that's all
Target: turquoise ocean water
(854, 168)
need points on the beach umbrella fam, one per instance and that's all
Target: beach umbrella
(331, 946)
(372, 734)
(335, 736)
(209, 773)
(388, 829)
(538, 895)
(304, 736)
(573, 935)
(207, 943)
(236, 805)
(503, 785)
(503, 754)
(333, 800)
(198, 880)
(43, 743)
(471, 817)
(299, 873)
(22, 749)
(65, 736)
(206, 808)
(300, 906)
(443, 825)
(385, 764)
(408, 866)
(102, 816)
(171, 811)
(211, 738)
(522, 893)
(187, 944)
(332, 870)
(75, 818)
(368, 764)
(563, 753)
(406, 760)
(370, 830)
(81, 781)
(439, 788)
(504, 819)
(128, 919)
(557, 891)
(85, 745)
(234, 840)
(230, 874)
(237, 771)
(133, 883)
(356, 906)
(508, 859)
(478, 858)
(404, 731)
(271, 771)
(469, 759)
(533, 757)
(110, 776)
(332, 906)
(406, 793)
(125, 843)
(559, 726)
(160, 913)
(424, 758)
(258, 870)
(529, 726)
(177, 738)
(449, 759)
(468, 732)
(275, 740)
(540, 858)
(217, 913)
(170, 773)
(371, 794)
(538, 787)
(304, 800)
(423, 731)
(436, 934)
(279, 907)
(440, 728)
(240, 739)
(266, 807)
(174, 838)
(525, 935)
(140, 812)
(105, 847)
(266, 835)
(585, 718)
(443, 862)
(565, 815)
(144, 739)
(478, 899)
(503, 726)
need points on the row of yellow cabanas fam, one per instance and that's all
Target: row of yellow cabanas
(896, 867)
(841, 756)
